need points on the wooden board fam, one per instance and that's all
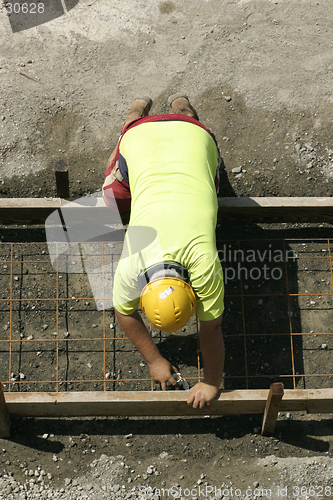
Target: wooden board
(239, 210)
(275, 209)
(141, 403)
(272, 408)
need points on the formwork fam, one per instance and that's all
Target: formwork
(62, 357)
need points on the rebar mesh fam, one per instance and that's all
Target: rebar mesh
(277, 324)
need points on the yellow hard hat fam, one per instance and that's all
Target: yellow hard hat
(168, 303)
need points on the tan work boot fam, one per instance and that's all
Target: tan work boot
(139, 107)
(181, 105)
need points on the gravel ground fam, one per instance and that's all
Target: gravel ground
(111, 477)
(259, 73)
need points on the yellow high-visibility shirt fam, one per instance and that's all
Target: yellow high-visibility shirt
(171, 172)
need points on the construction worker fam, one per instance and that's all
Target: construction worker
(165, 171)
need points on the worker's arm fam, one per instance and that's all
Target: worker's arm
(212, 351)
(133, 327)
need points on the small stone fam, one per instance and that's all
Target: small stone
(6, 327)
(22, 376)
(55, 458)
(111, 325)
(45, 327)
(9, 489)
(227, 98)
(324, 346)
(3, 118)
(129, 436)
(237, 170)
(89, 365)
(260, 302)
(49, 476)
(30, 337)
(116, 488)
(150, 470)
(238, 176)
(67, 481)
(66, 335)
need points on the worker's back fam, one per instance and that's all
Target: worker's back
(171, 170)
(171, 167)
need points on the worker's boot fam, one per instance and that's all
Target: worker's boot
(181, 105)
(139, 107)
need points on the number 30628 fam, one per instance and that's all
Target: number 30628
(24, 8)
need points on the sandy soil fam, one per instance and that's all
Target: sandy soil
(260, 75)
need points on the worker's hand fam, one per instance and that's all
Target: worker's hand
(161, 371)
(202, 394)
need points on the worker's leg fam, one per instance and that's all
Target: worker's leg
(181, 105)
(114, 187)
(139, 107)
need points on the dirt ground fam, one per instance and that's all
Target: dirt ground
(259, 74)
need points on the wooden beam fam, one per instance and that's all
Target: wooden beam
(272, 408)
(36, 210)
(150, 403)
(4, 416)
(129, 403)
(239, 210)
(275, 209)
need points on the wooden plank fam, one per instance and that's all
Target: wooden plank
(320, 401)
(33, 211)
(272, 408)
(240, 210)
(146, 403)
(130, 403)
(275, 209)
(62, 179)
(4, 416)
